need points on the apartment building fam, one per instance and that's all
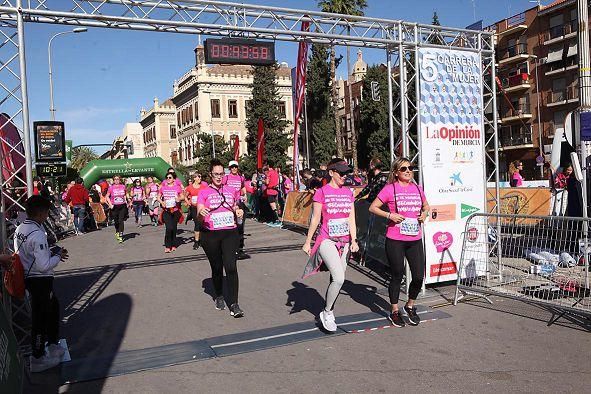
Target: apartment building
(160, 131)
(349, 116)
(537, 80)
(213, 99)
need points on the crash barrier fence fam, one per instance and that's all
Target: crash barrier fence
(537, 259)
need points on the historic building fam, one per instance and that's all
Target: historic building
(160, 131)
(212, 100)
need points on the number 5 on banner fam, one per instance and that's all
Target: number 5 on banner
(428, 67)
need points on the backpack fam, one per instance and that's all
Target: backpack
(14, 275)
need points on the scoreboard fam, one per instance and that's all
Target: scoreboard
(239, 51)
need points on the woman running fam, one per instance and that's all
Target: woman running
(138, 199)
(170, 197)
(153, 203)
(334, 210)
(117, 200)
(217, 204)
(408, 209)
(191, 195)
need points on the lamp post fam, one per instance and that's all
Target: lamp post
(51, 106)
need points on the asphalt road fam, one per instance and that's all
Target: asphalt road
(121, 298)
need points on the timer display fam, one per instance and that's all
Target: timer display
(239, 51)
(51, 169)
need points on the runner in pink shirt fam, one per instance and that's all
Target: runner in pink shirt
(191, 196)
(217, 204)
(334, 211)
(153, 203)
(236, 181)
(407, 210)
(170, 196)
(117, 199)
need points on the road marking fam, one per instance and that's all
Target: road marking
(264, 338)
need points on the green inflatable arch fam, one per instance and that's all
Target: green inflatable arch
(102, 169)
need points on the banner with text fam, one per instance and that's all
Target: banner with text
(452, 156)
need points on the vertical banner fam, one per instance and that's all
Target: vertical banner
(260, 144)
(300, 88)
(452, 155)
(236, 148)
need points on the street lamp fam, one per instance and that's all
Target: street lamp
(76, 30)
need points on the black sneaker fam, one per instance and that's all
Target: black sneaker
(413, 318)
(220, 304)
(396, 319)
(242, 256)
(196, 245)
(236, 311)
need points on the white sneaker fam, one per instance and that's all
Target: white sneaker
(55, 350)
(327, 320)
(42, 363)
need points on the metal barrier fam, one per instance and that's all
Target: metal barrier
(537, 259)
(559, 202)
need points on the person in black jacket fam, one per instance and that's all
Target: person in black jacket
(376, 183)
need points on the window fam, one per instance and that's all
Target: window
(178, 118)
(559, 118)
(191, 114)
(215, 108)
(196, 111)
(232, 109)
(281, 108)
(558, 89)
(172, 131)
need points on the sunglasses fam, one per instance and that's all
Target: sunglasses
(343, 173)
(169, 177)
(406, 168)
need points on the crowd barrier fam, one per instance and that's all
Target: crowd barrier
(538, 259)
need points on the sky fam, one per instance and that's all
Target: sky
(104, 77)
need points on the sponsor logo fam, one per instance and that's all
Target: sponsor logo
(463, 156)
(457, 135)
(443, 213)
(442, 269)
(472, 234)
(467, 210)
(442, 241)
(456, 180)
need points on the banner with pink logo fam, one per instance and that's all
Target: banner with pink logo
(452, 154)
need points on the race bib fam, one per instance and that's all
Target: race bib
(138, 196)
(194, 200)
(118, 200)
(222, 219)
(338, 227)
(170, 202)
(410, 227)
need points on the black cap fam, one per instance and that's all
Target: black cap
(341, 166)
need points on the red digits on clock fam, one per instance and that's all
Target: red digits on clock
(224, 51)
(236, 52)
(255, 52)
(264, 53)
(244, 52)
(215, 51)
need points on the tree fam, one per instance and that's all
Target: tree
(436, 38)
(204, 152)
(265, 105)
(81, 156)
(374, 132)
(320, 113)
(346, 7)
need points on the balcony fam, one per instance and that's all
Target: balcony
(512, 54)
(556, 68)
(516, 83)
(562, 97)
(511, 25)
(515, 137)
(559, 33)
(521, 111)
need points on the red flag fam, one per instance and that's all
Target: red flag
(300, 87)
(236, 148)
(260, 144)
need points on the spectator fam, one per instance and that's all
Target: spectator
(272, 191)
(38, 261)
(79, 197)
(562, 178)
(516, 179)
(377, 182)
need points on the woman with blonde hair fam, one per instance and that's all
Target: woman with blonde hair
(515, 168)
(407, 210)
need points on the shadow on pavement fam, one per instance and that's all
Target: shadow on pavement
(366, 295)
(303, 298)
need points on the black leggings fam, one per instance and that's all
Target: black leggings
(45, 311)
(118, 214)
(196, 218)
(395, 252)
(220, 247)
(171, 221)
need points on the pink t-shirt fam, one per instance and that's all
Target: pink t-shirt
(221, 215)
(234, 181)
(518, 178)
(137, 193)
(287, 184)
(336, 208)
(117, 194)
(406, 201)
(169, 194)
(153, 189)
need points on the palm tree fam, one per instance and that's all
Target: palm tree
(346, 7)
(81, 156)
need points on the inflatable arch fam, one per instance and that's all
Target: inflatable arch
(101, 169)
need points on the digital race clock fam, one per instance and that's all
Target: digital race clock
(239, 51)
(51, 169)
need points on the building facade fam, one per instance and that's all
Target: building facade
(133, 134)
(537, 82)
(212, 100)
(159, 130)
(349, 116)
